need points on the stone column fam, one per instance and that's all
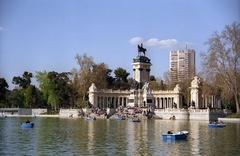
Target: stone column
(196, 96)
(177, 97)
(93, 95)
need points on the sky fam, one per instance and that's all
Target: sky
(37, 35)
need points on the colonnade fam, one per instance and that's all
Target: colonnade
(111, 101)
(210, 101)
(114, 102)
(165, 102)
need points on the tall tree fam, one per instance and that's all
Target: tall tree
(121, 74)
(16, 98)
(100, 75)
(56, 88)
(121, 81)
(23, 81)
(110, 79)
(89, 73)
(223, 60)
(82, 79)
(152, 78)
(3, 92)
(44, 83)
(29, 91)
(154, 85)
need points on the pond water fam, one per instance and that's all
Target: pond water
(56, 136)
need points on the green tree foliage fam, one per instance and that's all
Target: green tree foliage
(44, 84)
(31, 97)
(110, 79)
(3, 92)
(121, 81)
(152, 78)
(16, 98)
(26, 90)
(222, 62)
(61, 90)
(121, 74)
(154, 85)
(55, 88)
(23, 81)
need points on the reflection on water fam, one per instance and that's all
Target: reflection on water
(56, 136)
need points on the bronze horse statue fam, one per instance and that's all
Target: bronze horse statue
(141, 49)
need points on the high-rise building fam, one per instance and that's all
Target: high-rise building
(182, 65)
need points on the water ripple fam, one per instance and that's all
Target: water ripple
(54, 136)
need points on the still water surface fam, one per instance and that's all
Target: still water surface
(56, 136)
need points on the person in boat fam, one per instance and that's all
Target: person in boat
(169, 132)
(27, 121)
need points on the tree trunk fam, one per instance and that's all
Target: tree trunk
(237, 103)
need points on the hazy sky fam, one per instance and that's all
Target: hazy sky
(47, 34)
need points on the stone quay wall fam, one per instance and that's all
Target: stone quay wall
(24, 111)
(38, 111)
(70, 113)
(198, 114)
(21, 111)
(230, 120)
(190, 114)
(180, 114)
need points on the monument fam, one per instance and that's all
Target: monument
(140, 94)
(164, 103)
(141, 66)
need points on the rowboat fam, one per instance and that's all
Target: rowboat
(27, 125)
(216, 125)
(181, 135)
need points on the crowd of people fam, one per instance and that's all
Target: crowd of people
(121, 112)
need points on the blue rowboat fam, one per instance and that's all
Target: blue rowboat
(216, 125)
(27, 125)
(182, 135)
